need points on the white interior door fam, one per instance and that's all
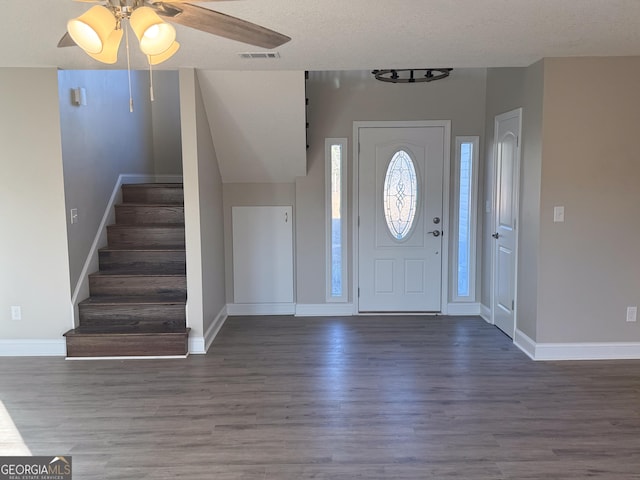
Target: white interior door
(507, 162)
(401, 224)
(262, 254)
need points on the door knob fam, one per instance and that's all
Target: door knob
(436, 220)
(435, 233)
(495, 235)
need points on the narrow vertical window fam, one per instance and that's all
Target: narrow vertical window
(465, 222)
(336, 194)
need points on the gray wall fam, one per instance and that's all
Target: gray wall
(100, 141)
(165, 120)
(336, 100)
(203, 210)
(589, 269)
(34, 265)
(529, 229)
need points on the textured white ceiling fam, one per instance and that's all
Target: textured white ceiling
(358, 34)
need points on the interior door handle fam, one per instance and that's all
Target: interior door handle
(435, 233)
(495, 235)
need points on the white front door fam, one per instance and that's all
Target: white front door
(401, 221)
(507, 161)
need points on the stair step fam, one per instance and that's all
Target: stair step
(135, 299)
(158, 235)
(144, 260)
(138, 302)
(108, 283)
(131, 341)
(163, 193)
(150, 271)
(127, 311)
(139, 213)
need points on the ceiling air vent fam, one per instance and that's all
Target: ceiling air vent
(260, 55)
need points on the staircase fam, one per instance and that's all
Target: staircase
(138, 297)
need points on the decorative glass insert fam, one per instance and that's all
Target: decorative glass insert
(400, 195)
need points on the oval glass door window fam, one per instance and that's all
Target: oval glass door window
(400, 195)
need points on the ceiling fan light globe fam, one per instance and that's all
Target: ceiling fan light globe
(109, 53)
(155, 35)
(158, 39)
(163, 57)
(92, 29)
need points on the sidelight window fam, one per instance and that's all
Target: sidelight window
(336, 218)
(466, 215)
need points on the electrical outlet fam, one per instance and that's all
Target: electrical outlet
(632, 313)
(16, 313)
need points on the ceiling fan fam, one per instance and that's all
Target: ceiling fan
(99, 30)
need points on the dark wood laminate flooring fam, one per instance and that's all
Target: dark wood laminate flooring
(281, 398)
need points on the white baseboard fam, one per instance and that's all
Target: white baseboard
(577, 351)
(200, 345)
(234, 309)
(588, 351)
(524, 343)
(485, 313)
(324, 310)
(33, 348)
(461, 309)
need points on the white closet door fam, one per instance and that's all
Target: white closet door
(262, 254)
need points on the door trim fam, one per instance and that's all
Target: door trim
(446, 174)
(503, 116)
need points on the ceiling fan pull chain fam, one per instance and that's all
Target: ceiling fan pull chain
(151, 80)
(126, 36)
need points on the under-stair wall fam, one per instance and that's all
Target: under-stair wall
(204, 223)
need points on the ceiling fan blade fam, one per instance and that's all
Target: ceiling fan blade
(224, 25)
(66, 41)
(155, 2)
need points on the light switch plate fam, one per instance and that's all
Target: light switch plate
(73, 215)
(558, 214)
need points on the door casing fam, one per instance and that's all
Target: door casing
(446, 125)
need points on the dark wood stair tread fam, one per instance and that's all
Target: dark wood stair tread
(146, 205)
(146, 225)
(135, 300)
(143, 248)
(152, 185)
(137, 273)
(128, 330)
